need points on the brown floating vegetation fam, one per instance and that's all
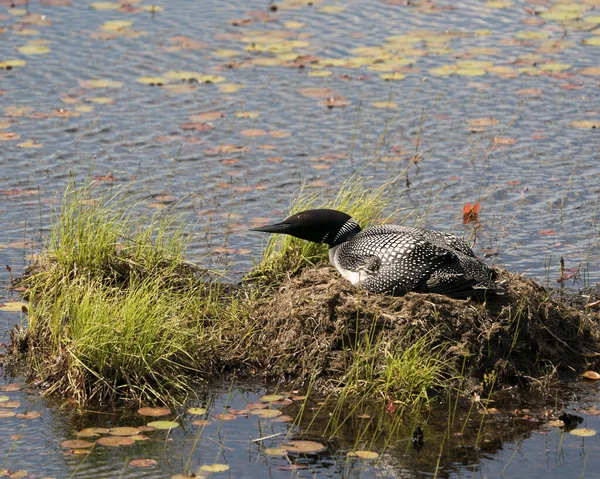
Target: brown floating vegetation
(116, 313)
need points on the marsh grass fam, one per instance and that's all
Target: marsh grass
(116, 311)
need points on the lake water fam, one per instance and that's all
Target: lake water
(495, 102)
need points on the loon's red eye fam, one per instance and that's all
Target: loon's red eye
(301, 215)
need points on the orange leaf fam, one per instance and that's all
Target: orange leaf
(505, 141)
(471, 212)
(591, 375)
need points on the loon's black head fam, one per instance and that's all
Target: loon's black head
(320, 226)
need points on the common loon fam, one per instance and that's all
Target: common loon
(393, 259)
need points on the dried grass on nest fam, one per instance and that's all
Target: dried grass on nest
(308, 326)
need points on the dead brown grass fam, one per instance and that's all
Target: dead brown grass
(310, 325)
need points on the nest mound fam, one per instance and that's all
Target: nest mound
(309, 325)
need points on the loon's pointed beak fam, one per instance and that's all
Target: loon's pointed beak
(282, 228)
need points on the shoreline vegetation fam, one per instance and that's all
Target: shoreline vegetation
(116, 313)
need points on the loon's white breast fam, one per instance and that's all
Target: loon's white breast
(355, 277)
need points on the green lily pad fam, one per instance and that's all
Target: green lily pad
(215, 467)
(116, 25)
(554, 67)
(14, 306)
(124, 431)
(586, 124)
(275, 451)
(559, 15)
(8, 64)
(272, 397)
(163, 424)
(583, 432)
(197, 411)
(153, 81)
(364, 454)
(594, 41)
(76, 444)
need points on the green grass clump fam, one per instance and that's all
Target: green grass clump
(407, 371)
(116, 311)
(285, 254)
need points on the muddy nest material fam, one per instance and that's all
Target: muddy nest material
(311, 325)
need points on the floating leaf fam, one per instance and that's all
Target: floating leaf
(586, 124)
(201, 422)
(320, 73)
(115, 441)
(227, 53)
(30, 144)
(583, 432)
(101, 83)
(592, 375)
(392, 76)
(153, 81)
(13, 306)
(105, 6)
(266, 413)
(215, 467)
(5, 414)
(385, 104)
(164, 424)
(230, 87)
(554, 67)
(560, 16)
(124, 431)
(76, 444)
(303, 446)
(253, 132)
(474, 64)
(483, 122)
(152, 8)
(331, 9)
(594, 41)
(116, 25)
(532, 35)
(29, 415)
(294, 25)
(33, 49)
(504, 141)
(364, 454)
(197, 411)
(272, 397)
(275, 451)
(208, 116)
(11, 387)
(498, 4)
(9, 64)
(591, 71)
(443, 70)
(154, 411)
(225, 417)
(246, 114)
(142, 463)
(556, 423)
(470, 72)
(283, 418)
